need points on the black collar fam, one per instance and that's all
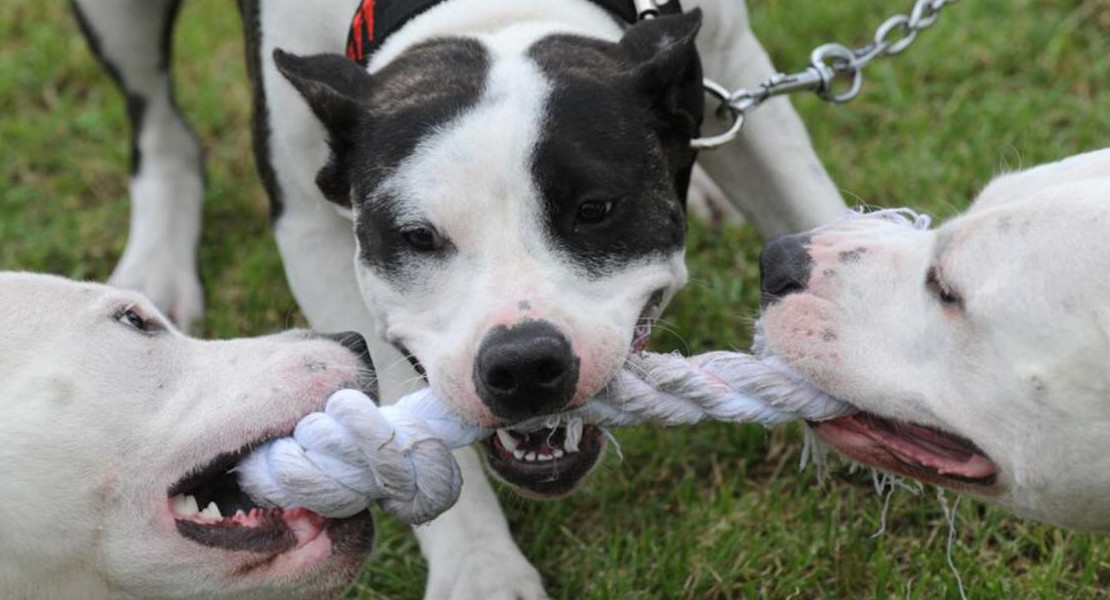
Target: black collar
(376, 20)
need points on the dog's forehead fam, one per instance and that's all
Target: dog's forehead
(517, 155)
(48, 297)
(1048, 247)
(47, 291)
(420, 92)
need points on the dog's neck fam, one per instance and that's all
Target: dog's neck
(483, 17)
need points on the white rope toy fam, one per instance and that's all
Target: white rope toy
(354, 453)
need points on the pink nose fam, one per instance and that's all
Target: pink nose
(526, 370)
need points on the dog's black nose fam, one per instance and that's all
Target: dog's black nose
(526, 370)
(353, 341)
(784, 267)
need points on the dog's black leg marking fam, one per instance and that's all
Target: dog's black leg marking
(137, 99)
(132, 39)
(260, 113)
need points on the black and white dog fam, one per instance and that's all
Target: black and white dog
(496, 198)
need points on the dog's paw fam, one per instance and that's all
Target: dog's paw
(485, 574)
(171, 283)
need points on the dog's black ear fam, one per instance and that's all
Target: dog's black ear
(667, 66)
(335, 88)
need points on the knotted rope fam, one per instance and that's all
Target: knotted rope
(354, 452)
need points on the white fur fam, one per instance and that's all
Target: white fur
(772, 173)
(1023, 370)
(100, 419)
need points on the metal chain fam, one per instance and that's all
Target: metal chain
(828, 64)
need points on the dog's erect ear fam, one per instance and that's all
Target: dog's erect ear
(667, 67)
(335, 88)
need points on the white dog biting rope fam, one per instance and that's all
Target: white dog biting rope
(340, 460)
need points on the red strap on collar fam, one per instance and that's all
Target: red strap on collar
(362, 31)
(375, 20)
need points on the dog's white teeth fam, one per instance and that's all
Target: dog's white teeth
(240, 514)
(544, 457)
(211, 512)
(518, 454)
(507, 440)
(185, 506)
(530, 457)
(558, 453)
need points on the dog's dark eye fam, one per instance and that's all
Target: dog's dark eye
(131, 318)
(421, 238)
(943, 292)
(594, 211)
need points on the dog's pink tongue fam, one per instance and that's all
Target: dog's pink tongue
(305, 524)
(933, 450)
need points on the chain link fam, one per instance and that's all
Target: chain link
(829, 64)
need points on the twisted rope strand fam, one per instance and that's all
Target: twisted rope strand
(354, 453)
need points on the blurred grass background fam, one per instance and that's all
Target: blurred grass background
(706, 513)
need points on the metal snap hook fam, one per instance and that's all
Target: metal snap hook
(724, 109)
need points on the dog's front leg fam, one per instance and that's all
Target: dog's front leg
(771, 172)
(132, 40)
(470, 551)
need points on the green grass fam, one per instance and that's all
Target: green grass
(707, 513)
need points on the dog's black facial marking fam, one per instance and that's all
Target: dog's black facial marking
(385, 243)
(613, 164)
(376, 121)
(424, 88)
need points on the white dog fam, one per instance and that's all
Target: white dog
(494, 195)
(117, 429)
(979, 351)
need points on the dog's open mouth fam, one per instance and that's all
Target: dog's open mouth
(210, 508)
(924, 453)
(546, 462)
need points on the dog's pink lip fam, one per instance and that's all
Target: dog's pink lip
(296, 535)
(924, 453)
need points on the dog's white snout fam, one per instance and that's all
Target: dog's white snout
(525, 370)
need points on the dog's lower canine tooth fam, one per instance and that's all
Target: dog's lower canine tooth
(559, 453)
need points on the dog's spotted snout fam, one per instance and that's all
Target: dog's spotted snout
(525, 371)
(784, 267)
